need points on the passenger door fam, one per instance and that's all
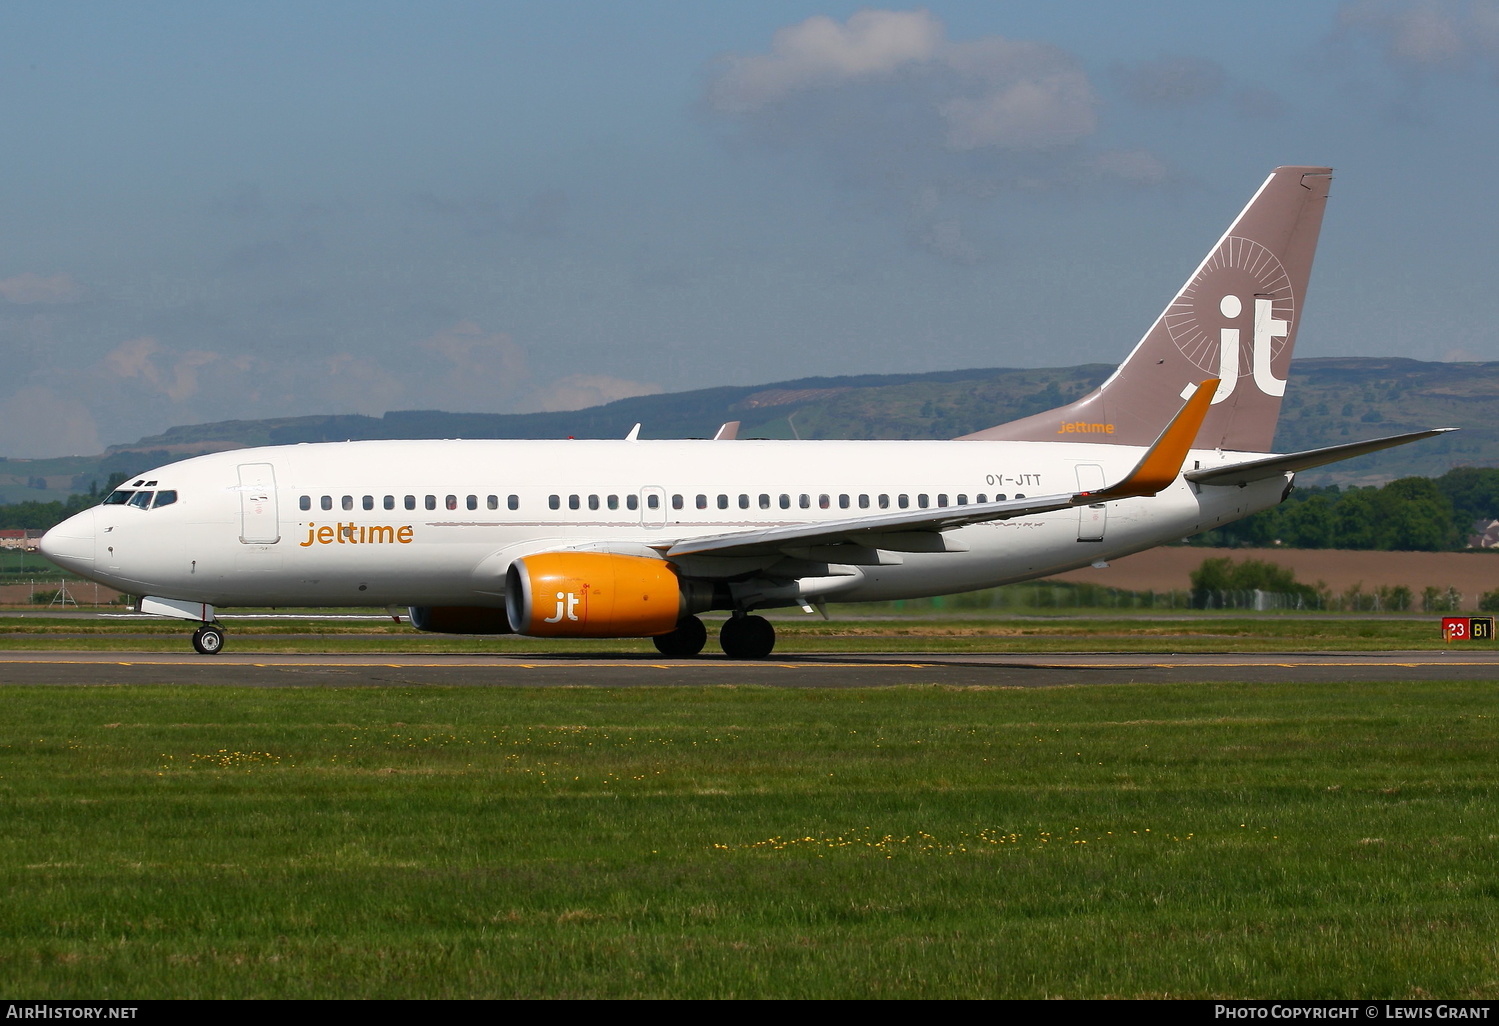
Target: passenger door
(1091, 519)
(259, 524)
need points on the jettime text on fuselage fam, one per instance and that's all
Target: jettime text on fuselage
(358, 534)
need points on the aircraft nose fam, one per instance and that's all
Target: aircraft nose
(71, 543)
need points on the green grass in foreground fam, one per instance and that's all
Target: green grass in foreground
(1196, 840)
(1199, 632)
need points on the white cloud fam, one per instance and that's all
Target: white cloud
(821, 52)
(37, 422)
(993, 91)
(887, 102)
(1426, 35)
(166, 371)
(35, 288)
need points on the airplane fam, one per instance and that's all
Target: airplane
(635, 538)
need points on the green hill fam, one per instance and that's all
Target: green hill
(1328, 401)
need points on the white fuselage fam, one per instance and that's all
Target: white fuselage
(437, 523)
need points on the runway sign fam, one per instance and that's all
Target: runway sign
(1467, 628)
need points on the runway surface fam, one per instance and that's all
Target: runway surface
(790, 670)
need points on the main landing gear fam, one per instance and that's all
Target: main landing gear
(742, 637)
(209, 639)
(747, 637)
(685, 641)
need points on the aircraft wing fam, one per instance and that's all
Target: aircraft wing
(919, 530)
(1270, 466)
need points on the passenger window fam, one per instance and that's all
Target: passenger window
(1001, 497)
(492, 502)
(723, 502)
(923, 500)
(613, 502)
(785, 501)
(554, 502)
(804, 501)
(743, 501)
(843, 501)
(632, 501)
(884, 502)
(764, 501)
(389, 502)
(1019, 495)
(411, 502)
(472, 502)
(653, 501)
(702, 502)
(327, 502)
(513, 502)
(141, 500)
(369, 502)
(164, 499)
(573, 502)
(962, 499)
(451, 502)
(824, 502)
(904, 500)
(941, 499)
(593, 502)
(348, 502)
(981, 498)
(676, 502)
(305, 502)
(863, 502)
(431, 502)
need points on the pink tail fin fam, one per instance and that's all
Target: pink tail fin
(1235, 319)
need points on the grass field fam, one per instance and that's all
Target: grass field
(1182, 632)
(1195, 840)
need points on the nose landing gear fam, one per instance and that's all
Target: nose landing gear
(209, 639)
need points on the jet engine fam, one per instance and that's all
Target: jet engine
(599, 595)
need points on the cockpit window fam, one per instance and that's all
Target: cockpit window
(164, 498)
(141, 500)
(118, 497)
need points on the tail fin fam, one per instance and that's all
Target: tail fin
(1235, 319)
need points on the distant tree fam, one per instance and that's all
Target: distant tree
(1473, 493)
(1354, 525)
(1413, 515)
(1308, 524)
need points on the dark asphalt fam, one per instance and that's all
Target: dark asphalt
(821, 671)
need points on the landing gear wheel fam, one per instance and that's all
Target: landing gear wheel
(208, 639)
(685, 641)
(747, 637)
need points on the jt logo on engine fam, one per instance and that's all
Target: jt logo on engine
(568, 599)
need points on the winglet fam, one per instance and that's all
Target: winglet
(1161, 463)
(728, 432)
(634, 435)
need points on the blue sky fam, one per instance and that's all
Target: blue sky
(220, 211)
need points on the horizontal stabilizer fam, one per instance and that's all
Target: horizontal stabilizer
(1271, 466)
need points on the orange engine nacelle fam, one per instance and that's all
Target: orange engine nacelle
(592, 595)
